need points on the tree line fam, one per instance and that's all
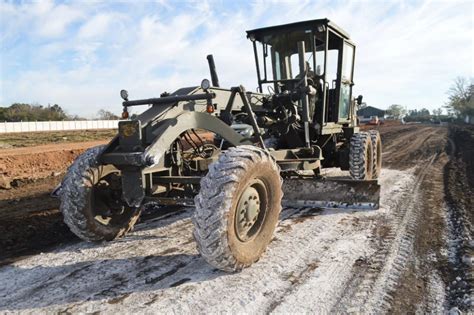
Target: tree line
(37, 112)
(460, 104)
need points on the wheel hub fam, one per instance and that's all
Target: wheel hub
(107, 206)
(248, 210)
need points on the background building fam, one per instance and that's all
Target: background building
(365, 113)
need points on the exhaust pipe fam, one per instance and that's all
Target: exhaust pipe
(212, 69)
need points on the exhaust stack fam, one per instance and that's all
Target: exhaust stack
(212, 69)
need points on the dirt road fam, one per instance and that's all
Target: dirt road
(412, 255)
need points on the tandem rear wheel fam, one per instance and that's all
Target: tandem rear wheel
(365, 155)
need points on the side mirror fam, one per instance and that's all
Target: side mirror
(359, 99)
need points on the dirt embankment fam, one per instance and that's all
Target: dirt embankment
(459, 192)
(31, 163)
(31, 139)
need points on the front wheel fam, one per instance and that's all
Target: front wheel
(238, 208)
(91, 200)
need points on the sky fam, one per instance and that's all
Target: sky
(80, 54)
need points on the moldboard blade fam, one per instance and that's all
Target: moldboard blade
(331, 193)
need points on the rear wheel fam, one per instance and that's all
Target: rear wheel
(91, 200)
(361, 156)
(377, 150)
(237, 208)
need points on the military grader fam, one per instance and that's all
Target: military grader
(267, 148)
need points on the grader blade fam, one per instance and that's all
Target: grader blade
(331, 193)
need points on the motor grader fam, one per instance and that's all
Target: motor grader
(267, 148)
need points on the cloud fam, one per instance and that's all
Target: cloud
(80, 54)
(95, 27)
(52, 20)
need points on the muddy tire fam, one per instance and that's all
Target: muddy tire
(237, 208)
(91, 209)
(361, 156)
(377, 152)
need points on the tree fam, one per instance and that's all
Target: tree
(438, 112)
(106, 115)
(32, 112)
(54, 112)
(424, 112)
(76, 117)
(419, 113)
(461, 97)
(396, 111)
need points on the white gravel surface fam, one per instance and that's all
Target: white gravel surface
(320, 261)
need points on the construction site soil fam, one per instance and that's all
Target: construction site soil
(416, 254)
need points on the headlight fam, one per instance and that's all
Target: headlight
(205, 84)
(124, 95)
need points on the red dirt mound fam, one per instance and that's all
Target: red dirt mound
(27, 164)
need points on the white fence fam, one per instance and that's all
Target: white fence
(32, 126)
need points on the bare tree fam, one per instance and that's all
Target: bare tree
(396, 111)
(438, 112)
(106, 115)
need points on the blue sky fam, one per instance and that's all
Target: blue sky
(79, 54)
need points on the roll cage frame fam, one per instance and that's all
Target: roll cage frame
(336, 95)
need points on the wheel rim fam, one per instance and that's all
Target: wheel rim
(251, 211)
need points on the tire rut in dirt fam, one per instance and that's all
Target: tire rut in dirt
(371, 290)
(459, 192)
(411, 148)
(283, 255)
(317, 248)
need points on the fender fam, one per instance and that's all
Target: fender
(165, 134)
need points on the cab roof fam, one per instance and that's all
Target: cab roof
(306, 25)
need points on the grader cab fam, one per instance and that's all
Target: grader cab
(236, 155)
